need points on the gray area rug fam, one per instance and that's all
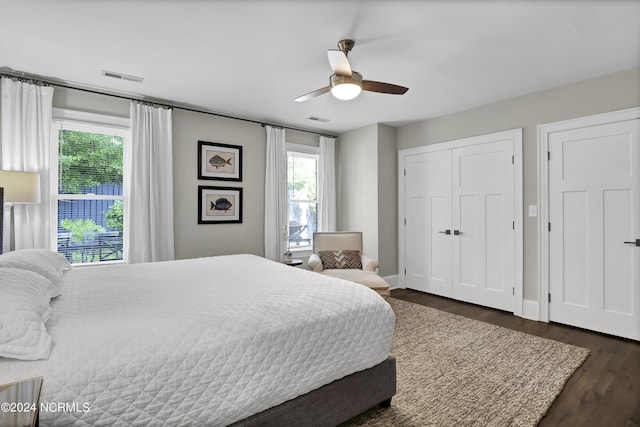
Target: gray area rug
(454, 371)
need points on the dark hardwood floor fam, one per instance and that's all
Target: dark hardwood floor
(604, 391)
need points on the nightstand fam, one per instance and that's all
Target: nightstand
(20, 403)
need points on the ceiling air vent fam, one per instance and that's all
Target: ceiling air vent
(120, 76)
(318, 119)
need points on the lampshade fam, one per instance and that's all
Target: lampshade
(346, 87)
(20, 187)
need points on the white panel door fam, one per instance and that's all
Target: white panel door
(428, 217)
(594, 208)
(483, 215)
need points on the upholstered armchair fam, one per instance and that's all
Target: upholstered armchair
(339, 254)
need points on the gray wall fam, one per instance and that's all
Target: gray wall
(599, 95)
(90, 102)
(198, 240)
(357, 182)
(366, 164)
(387, 200)
(191, 239)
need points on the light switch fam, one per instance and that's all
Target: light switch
(533, 210)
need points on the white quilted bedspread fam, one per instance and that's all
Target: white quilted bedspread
(206, 341)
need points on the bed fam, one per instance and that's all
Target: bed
(211, 341)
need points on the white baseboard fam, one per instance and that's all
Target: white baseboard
(392, 281)
(530, 309)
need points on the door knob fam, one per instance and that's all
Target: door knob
(457, 232)
(637, 242)
(445, 232)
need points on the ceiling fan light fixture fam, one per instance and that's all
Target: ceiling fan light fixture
(346, 91)
(346, 84)
(346, 87)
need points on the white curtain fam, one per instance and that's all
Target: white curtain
(327, 185)
(26, 134)
(275, 195)
(149, 230)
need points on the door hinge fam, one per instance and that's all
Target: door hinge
(405, 172)
(405, 271)
(548, 155)
(513, 291)
(513, 225)
(405, 221)
(549, 226)
(513, 160)
(549, 297)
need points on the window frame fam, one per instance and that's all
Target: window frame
(311, 151)
(66, 119)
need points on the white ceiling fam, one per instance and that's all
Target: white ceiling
(251, 58)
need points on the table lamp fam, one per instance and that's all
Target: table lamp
(16, 187)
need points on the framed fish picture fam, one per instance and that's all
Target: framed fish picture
(219, 161)
(218, 205)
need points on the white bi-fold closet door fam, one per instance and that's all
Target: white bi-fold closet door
(428, 208)
(458, 220)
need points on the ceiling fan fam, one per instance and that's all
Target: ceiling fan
(345, 83)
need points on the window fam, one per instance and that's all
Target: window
(302, 195)
(87, 178)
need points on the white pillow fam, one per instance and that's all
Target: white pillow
(49, 264)
(24, 307)
(34, 282)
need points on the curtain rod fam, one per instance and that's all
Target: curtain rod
(49, 82)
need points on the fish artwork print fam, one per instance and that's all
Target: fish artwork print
(222, 204)
(218, 162)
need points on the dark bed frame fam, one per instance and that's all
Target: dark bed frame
(335, 402)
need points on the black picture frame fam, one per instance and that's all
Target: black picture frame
(219, 205)
(218, 161)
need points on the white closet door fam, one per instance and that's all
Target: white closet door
(483, 240)
(428, 216)
(594, 208)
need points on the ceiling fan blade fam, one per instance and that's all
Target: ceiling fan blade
(380, 87)
(339, 62)
(308, 96)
